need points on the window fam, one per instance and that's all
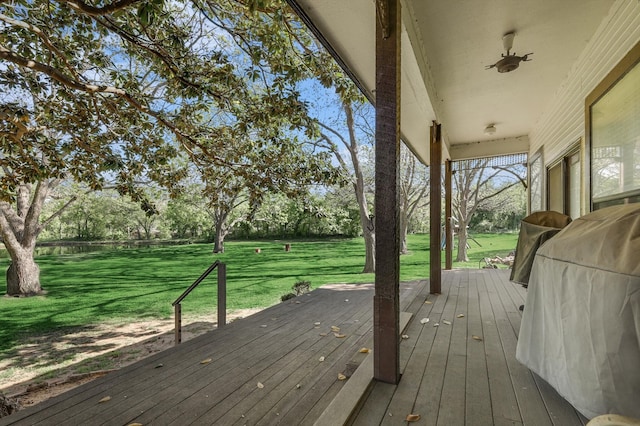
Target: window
(613, 134)
(574, 171)
(555, 188)
(535, 183)
(564, 183)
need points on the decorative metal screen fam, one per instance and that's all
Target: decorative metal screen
(497, 161)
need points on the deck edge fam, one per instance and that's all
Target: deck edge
(341, 408)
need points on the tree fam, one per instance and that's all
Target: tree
(305, 59)
(186, 214)
(475, 184)
(111, 94)
(227, 205)
(19, 233)
(351, 165)
(414, 190)
(501, 213)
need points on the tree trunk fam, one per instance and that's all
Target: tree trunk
(370, 251)
(368, 231)
(462, 243)
(404, 226)
(218, 241)
(23, 275)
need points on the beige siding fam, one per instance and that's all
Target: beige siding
(563, 122)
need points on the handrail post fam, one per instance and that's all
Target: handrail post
(222, 295)
(178, 326)
(222, 298)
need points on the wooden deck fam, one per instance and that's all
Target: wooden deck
(466, 373)
(265, 369)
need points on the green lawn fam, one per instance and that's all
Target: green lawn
(127, 284)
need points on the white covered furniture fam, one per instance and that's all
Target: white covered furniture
(580, 328)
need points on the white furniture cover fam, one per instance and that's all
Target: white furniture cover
(580, 328)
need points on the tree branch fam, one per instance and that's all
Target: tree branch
(122, 94)
(43, 37)
(99, 11)
(46, 222)
(520, 178)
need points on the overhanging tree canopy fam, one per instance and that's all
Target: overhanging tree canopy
(111, 93)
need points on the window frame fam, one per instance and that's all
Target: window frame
(630, 61)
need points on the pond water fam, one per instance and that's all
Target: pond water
(50, 250)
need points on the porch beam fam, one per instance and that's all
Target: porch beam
(435, 221)
(448, 225)
(386, 303)
(506, 146)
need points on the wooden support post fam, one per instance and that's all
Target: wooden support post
(386, 303)
(435, 228)
(448, 228)
(178, 324)
(222, 295)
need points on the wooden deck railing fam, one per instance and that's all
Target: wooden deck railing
(222, 298)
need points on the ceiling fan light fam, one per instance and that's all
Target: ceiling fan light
(490, 130)
(507, 40)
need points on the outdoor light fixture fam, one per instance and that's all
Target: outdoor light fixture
(490, 129)
(510, 61)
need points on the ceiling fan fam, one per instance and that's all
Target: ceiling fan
(509, 62)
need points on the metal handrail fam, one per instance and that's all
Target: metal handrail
(222, 298)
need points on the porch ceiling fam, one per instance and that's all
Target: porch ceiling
(446, 47)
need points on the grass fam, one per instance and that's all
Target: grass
(129, 284)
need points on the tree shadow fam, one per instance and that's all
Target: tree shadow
(88, 349)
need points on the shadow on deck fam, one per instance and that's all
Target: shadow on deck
(267, 368)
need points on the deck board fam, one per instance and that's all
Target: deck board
(454, 385)
(428, 398)
(477, 395)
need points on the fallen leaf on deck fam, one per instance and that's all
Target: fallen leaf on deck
(339, 336)
(364, 350)
(105, 399)
(446, 322)
(321, 359)
(298, 386)
(346, 300)
(428, 302)
(460, 315)
(206, 361)
(324, 334)
(297, 302)
(135, 424)
(413, 417)
(264, 326)
(316, 323)
(436, 324)
(159, 365)
(405, 336)
(474, 337)
(342, 376)
(335, 329)
(424, 320)
(260, 385)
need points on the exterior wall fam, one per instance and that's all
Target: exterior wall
(563, 123)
